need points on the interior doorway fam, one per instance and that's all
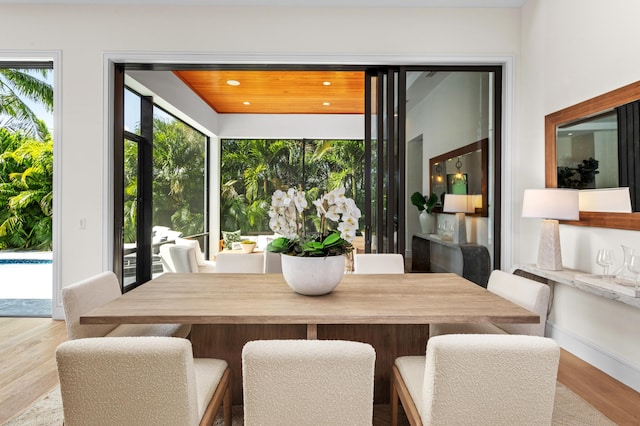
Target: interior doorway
(396, 111)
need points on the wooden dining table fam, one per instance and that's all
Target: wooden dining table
(391, 312)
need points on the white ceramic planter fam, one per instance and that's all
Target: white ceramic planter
(427, 222)
(312, 276)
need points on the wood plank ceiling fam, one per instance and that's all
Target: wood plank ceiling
(279, 92)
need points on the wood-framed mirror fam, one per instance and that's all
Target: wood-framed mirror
(462, 171)
(582, 112)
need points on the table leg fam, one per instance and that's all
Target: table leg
(312, 331)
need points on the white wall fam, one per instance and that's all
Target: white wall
(573, 50)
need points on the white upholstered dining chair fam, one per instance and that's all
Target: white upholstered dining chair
(378, 263)
(522, 291)
(184, 256)
(98, 290)
(142, 381)
(310, 382)
(478, 379)
(240, 263)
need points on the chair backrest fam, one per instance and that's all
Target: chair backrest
(84, 296)
(127, 380)
(314, 382)
(272, 263)
(240, 263)
(183, 258)
(380, 263)
(489, 379)
(527, 293)
(165, 258)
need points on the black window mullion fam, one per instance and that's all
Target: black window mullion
(367, 161)
(401, 131)
(391, 163)
(380, 173)
(118, 174)
(145, 191)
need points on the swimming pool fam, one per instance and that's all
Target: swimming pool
(10, 261)
(26, 275)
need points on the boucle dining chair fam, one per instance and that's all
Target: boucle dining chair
(522, 291)
(142, 381)
(98, 290)
(477, 379)
(240, 263)
(272, 263)
(184, 258)
(310, 382)
(378, 263)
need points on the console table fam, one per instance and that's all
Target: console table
(430, 253)
(578, 279)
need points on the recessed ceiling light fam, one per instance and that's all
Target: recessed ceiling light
(233, 82)
(247, 103)
(327, 83)
(326, 103)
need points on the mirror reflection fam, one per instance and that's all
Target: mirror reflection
(587, 152)
(462, 171)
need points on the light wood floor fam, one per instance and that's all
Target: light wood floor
(28, 370)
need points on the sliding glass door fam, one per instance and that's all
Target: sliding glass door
(160, 187)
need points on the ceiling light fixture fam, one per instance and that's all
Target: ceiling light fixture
(247, 103)
(326, 103)
(327, 83)
(233, 82)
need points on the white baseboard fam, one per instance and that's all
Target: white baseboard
(616, 367)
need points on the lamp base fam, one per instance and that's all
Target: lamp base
(460, 229)
(549, 254)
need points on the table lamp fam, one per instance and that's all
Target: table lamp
(611, 200)
(459, 204)
(550, 204)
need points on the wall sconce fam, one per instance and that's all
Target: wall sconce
(550, 204)
(459, 204)
(458, 180)
(459, 174)
(439, 171)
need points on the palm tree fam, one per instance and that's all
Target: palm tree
(17, 86)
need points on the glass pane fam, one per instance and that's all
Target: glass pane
(131, 112)
(179, 182)
(374, 164)
(130, 211)
(252, 169)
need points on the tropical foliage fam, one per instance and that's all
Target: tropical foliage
(17, 86)
(178, 178)
(26, 191)
(253, 169)
(26, 161)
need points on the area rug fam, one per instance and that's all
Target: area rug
(570, 410)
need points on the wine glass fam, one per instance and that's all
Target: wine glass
(604, 258)
(634, 266)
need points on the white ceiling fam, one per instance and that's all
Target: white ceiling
(292, 3)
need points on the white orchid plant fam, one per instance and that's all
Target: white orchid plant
(287, 219)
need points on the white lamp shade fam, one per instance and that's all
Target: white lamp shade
(551, 203)
(457, 203)
(614, 200)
